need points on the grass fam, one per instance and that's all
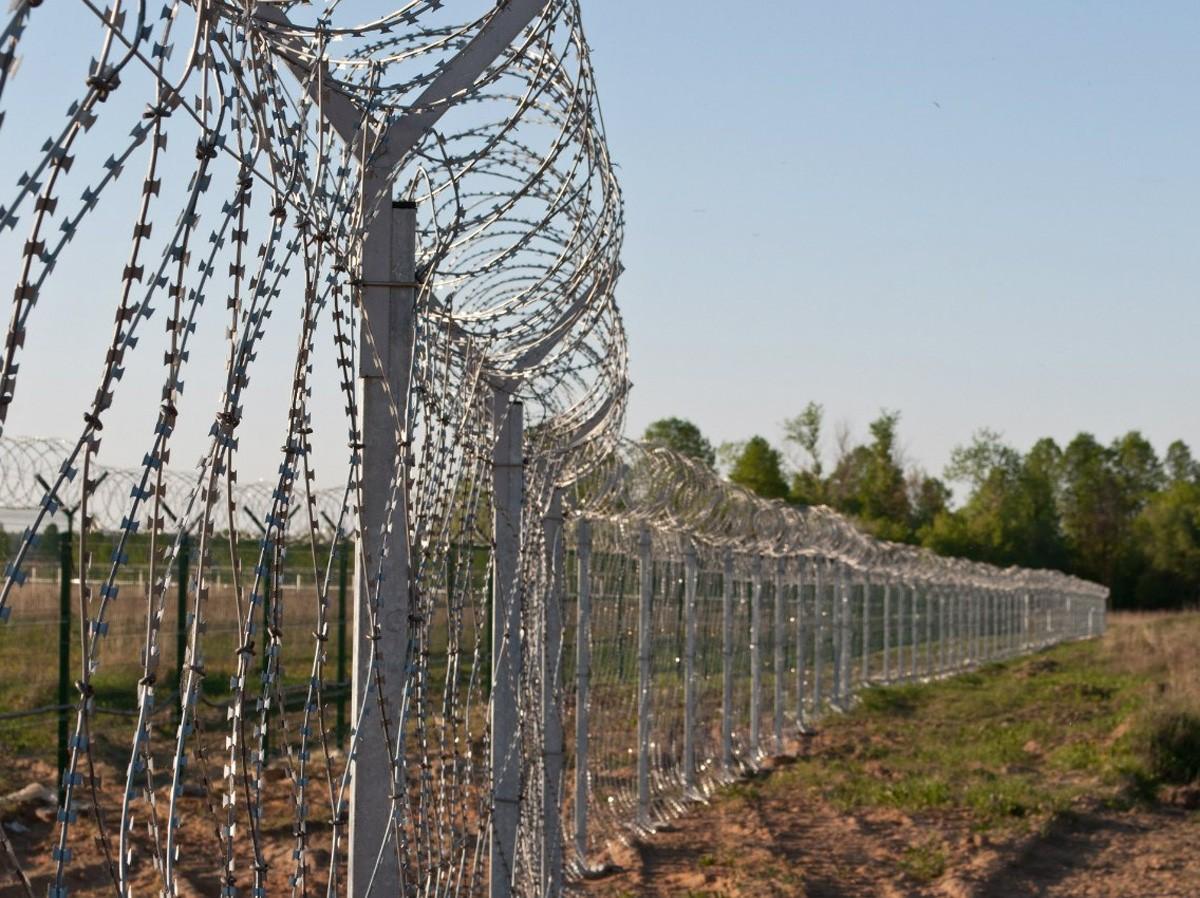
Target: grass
(1015, 744)
(924, 862)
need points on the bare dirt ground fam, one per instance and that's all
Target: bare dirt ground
(779, 846)
(196, 876)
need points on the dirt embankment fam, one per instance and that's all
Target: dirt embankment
(775, 846)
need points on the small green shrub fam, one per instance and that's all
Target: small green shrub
(924, 862)
(897, 701)
(1167, 741)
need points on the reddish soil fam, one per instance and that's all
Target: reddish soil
(773, 846)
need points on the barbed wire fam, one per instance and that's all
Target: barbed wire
(640, 484)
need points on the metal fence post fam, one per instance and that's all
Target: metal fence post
(887, 630)
(818, 568)
(381, 568)
(981, 609)
(64, 648)
(690, 573)
(755, 656)
(835, 629)
(269, 594)
(929, 657)
(960, 612)
(343, 569)
(777, 639)
(866, 628)
(970, 604)
(1018, 622)
(948, 637)
(181, 628)
(801, 564)
(985, 617)
(507, 650)
(912, 630)
(727, 663)
(1014, 631)
(583, 672)
(645, 673)
(989, 628)
(551, 704)
(847, 585)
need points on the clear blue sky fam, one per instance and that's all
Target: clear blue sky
(979, 214)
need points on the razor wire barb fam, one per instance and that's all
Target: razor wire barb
(289, 118)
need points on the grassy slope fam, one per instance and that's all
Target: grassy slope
(1013, 742)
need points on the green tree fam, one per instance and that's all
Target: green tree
(975, 462)
(1137, 468)
(868, 483)
(1097, 513)
(1011, 516)
(804, 431)
(1168, 533)
(928, 497)
(1179, 464)
(684, 437)
(759, 468)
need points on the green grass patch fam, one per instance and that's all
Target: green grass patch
(924, 862)
(1167, 743)
(1010, 745)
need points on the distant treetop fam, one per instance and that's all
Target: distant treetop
(684, 437)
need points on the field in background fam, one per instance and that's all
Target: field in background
(1068, 773)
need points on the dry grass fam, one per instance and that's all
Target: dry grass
(1159, 646)
(1164, 735)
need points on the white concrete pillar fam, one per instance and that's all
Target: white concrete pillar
(505, 749)
(381, 569)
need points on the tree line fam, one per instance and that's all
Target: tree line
(1118, 514)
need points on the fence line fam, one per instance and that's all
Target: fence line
(719, 624)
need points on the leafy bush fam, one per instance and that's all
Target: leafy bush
(1167, 741)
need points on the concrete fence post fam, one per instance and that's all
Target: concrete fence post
(835, 630)
(778, 641)
(756, 658)
(583, 673)
(801, 565)
(551, 704)
(508, 488)
(887, 630)
(866, 628)
(949, 637)
(645, 673)
(690, 575)
(727, 663)
(930, 654)
(818, 628)
(381, 574)
(911, 589)
(847, 637)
